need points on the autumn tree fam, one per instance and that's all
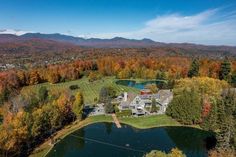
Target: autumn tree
(34, 77)
(205, 86)
(152, 87)
(222, 153)
(93, 76)
(78, 104)
(41, 123)
(22, 77)
(53, 77)
(124, 73)
(175, 152)
(210, 120)
(221, 120)
(206, 107)
(64, 104)
(15, 132)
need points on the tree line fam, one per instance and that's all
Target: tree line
(121, 67)
(25, 127)
(31, 117)
(210, 103)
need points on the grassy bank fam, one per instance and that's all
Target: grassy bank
(149, 121)
(44, 148)
(137, 122)
(90, 89)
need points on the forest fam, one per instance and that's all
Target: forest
(29, 119)
(102, 78)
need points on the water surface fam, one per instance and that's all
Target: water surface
(140, 85)
(105, 140)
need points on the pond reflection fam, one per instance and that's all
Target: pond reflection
(105, 140)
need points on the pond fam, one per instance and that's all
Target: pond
(140, 85)
(105, 140)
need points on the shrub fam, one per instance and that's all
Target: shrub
(93, 76)
(116, 109)
(186, 108)
(74, 87)
(175, 152)
(124, 113)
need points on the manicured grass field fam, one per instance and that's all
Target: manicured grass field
(90, 90)
(149, 121)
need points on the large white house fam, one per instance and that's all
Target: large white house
(139, 104)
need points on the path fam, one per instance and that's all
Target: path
(116, 121)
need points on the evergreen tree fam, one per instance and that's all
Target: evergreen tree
(103, 95)
(210, 122)
(109, 108)
(222, 120)
(161, 75)
(233, 79)
(4, 95)
(194, 69)
(225, 69)
(43, 93)
(106, 93)
(186, 107)
(226, 121)
(154, 105)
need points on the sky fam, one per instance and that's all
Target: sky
(211, 22)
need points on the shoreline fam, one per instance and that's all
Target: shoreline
(43, 149)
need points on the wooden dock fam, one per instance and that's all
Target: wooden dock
(116, 121)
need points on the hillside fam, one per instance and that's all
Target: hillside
(41, 49)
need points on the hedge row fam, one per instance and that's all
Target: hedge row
(124, 113)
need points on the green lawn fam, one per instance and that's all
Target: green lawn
(149, 121)
(90, 89)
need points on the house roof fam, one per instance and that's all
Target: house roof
(130, 98)
(162, 95)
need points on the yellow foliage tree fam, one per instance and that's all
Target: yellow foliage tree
(78, 104)
(14, 131)
(206, 86)
(175, 152)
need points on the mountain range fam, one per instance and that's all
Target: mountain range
(60, 41)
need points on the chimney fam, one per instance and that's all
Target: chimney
(125, 96)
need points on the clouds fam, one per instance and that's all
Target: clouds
(214, 27)
(13, 31)
(176, 21)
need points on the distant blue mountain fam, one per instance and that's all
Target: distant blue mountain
(59, 40)
(95, 42)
